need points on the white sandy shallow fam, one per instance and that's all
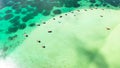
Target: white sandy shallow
(78, 40)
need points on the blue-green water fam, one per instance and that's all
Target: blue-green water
(19, 17)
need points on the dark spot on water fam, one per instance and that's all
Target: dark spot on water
(18, 11)
(108, 6)
(46, 13)
(91, 5)
(72, 12)
(71, 3)
(5, 48)
(66, 14)
(92, 1)
(38, 24)
(26, 35)
(85, 9)
(115, 3)
(57, 11)
(28, 17)
(53, 18)
(12, 29)
(102, 9)
(78, 10)
(101, 15)
(44, 22)
(77, 5)
(59, 22)
(29, 9)
(108, 28)
(15, 21)
(16, 6)
(22, 26)
(97, 5)
(104, 4)
(39, 41)
(8, 16)
(23, 12)
(48, 7)
(12, 37)
(58, 4)
(43, 46)
(32, 24)
(49, 31)
(91, 9)
(60, 16)
(8, 11)
(9, 3)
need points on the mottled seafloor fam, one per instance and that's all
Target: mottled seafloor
(59, 33)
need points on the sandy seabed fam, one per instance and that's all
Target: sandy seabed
(85, 38)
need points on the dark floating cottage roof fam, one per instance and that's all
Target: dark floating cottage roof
(49, 31)
(108, 28)
(43, 46)
(38, 41)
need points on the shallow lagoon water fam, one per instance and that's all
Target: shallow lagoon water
(20, 17)
(18, 20)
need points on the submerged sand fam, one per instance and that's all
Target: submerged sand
(79, 39)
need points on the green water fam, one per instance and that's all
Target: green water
(21, 16)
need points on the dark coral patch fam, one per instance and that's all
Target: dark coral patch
(57, 11)
(46, 13)
(92, 1)
(22, 26)
(12, 29)
(29, 9)
(12, 37)
(28, 17)
(16, 6)
(115, 3)
(15, 19)
(8, 11)
(24, 12)
(97, 5)
(10, 3)
(17, 11)
(8, 16)
(71, 3)
(32, 24)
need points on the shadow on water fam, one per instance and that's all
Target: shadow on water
(88, 56)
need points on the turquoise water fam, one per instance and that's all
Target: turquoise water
(19, 17)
